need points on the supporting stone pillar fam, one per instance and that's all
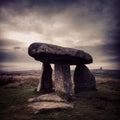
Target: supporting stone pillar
(63, 83)
(45, 84)
(83, 79)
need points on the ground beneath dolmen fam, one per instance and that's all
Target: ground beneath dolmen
(103, 104)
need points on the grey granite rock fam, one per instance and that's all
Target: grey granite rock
(51, 97)
(48, 106)
(53, 54)
(83, 79)
(63, 81)
(62, 57)
(45, 83)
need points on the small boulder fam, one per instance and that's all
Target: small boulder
(45, 83)
(47, 97)
(48, 106)
(83, 79)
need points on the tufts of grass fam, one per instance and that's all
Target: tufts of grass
(103, 104)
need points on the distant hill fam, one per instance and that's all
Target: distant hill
(26, 72)
(106, 73)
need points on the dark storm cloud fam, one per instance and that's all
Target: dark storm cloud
(17, 48)
(77, 15)
(44, 6)
(12, 51)
(91, 25)
(18, 56)
(112, 47)
(79, 12)
(49, 7)
(33, 3)
(116, 31)
(7, 52)
(7, 56)
(8, 42)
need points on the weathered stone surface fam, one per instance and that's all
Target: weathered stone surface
(45, 84)
(52, 53)
(62, 58)
(45, 106)
(47, 97)
(63, 81)
(83, 79)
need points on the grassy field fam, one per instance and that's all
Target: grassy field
(103, 104)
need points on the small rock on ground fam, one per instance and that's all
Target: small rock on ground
(37, 107)
(47, 97)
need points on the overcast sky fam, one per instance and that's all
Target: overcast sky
(89, 25)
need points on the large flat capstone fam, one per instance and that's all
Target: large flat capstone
(48, 53)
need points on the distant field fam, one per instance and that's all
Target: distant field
(34, 75)
(107, 73)
(17, 87)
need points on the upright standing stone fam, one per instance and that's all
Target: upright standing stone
(45, 84)
(63, 81)
(83, 79)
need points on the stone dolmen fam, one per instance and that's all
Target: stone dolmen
(62, 58)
